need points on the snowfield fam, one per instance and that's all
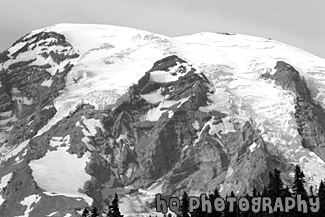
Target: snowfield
(154, 97)
(234, 64)
(118, 58)
(3, 183)
(61, 173)
(29, 202)
(173, 73)
(6, 154)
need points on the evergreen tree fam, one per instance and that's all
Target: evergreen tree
(321, 195)
(227, 212)
(312, 196)
(216, 195)
(285, 193)
(114, 210)
(321, 190)
(264, 192)
(311, 191)
(184, 208)
(275, 186)
(94, 212)
(299, 183)
(198, 212)
(248, 213)
(298, 188)
(212, 198)
(216, 192)
(85, 213)
(255, 193)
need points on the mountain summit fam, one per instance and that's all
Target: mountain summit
(88, 111)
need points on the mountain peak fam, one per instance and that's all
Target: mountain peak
(137, 113)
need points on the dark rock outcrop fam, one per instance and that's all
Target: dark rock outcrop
(22, 91)
(188, 157)
(310, 116)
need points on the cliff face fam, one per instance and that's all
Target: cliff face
(310, 115)
(90, 111)
(168, 136)
(28, 87)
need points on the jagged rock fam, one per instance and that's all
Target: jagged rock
(309, 115)
(23, 92)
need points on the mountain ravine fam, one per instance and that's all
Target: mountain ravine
(87, 111)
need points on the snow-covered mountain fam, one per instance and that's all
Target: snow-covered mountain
(90, 110)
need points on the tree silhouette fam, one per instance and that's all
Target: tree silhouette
(321, 195)
(275, 186)
(184, 208)
(85, 213)
(299, 183)
(94, 212)
(298, 188)
(114, 210)
(198, 212)
(212, 198)
(264, 192)
(227, 212)
(255, 192)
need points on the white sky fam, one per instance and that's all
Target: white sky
(296, 22)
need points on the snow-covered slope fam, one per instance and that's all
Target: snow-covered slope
(137, 82)
(111, 59)
(235, 63)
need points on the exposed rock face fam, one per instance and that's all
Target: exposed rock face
(309, 115)
(28, 87)
(27, 92)
(181, 143)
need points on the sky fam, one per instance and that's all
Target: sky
(296, 22)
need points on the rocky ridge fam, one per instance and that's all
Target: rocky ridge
(309, 114)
